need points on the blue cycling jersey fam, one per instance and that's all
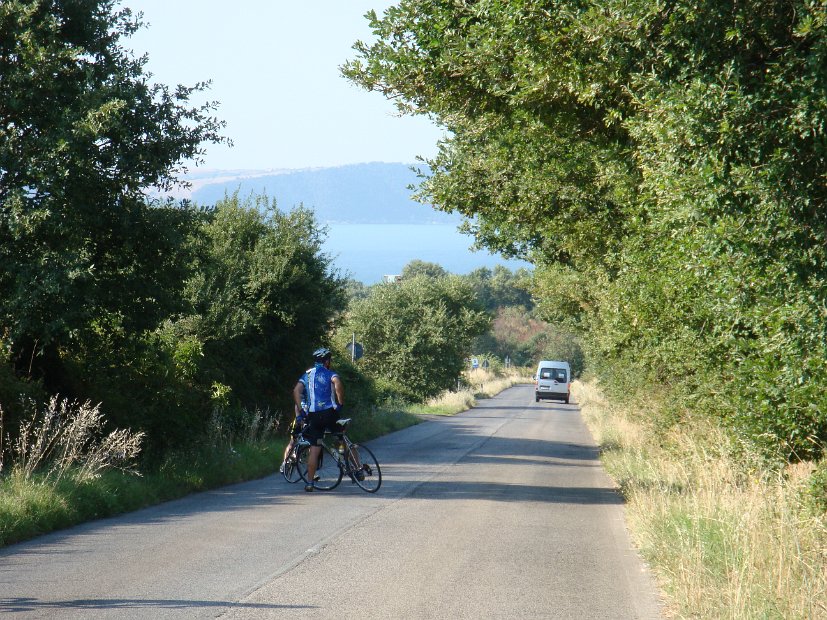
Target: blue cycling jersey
(318, 388)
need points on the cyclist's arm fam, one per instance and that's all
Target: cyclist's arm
(298, 393)
(339, 390)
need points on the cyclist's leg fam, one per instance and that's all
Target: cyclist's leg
(313, 462)
(313, 433)
(287, 451)
(295, 429)
(326, 474)
(292, 470)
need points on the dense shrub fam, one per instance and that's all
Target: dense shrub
(416, 333)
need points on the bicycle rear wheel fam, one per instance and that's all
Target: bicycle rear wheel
(328, 473)
(369, 477)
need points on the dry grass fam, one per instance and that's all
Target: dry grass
(481, 383)
(453, 401)
(726, 537)
(66, 439)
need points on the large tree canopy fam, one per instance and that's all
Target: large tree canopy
(263, 295)
(82, 133)
(664, 165)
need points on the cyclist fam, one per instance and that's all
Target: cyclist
(323, 392)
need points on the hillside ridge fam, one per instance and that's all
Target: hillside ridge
(365, 193)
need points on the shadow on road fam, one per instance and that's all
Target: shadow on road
(25, 604)
(492, 491)
(270, 491)
(554, 470)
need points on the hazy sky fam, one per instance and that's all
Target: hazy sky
(274, 67)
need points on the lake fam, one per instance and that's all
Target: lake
(369, 251)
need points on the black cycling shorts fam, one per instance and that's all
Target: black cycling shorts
(320, 421)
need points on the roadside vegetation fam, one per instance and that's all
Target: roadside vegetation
(473, 385)
(662, 165)
(726, 535)
(59, 477)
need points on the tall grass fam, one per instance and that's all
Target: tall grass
(478, 383)
(60, 456)
(727, 535)
(65, 438)
(64, 470)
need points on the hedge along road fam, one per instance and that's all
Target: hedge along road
(503, 511)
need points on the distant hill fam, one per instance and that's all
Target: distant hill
(372, 193)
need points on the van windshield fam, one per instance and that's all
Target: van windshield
(554, 374)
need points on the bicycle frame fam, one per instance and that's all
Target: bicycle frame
(355, 460)
(347, 465)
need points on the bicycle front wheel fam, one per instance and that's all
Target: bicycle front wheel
(369, 475)
(328, 473)
(291, 466)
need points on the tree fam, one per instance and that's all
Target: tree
(534, 157)
(82, 134)
(524, 339)
(416, 333)
(500, 288)
(263, 296)
(356, 289)
(662, 164)
(423, 268)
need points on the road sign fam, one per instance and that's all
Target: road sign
(475, 363)
(356, 350)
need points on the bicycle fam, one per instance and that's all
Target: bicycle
(340, 458)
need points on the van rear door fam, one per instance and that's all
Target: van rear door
(552, 382)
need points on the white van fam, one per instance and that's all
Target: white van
(553, 380)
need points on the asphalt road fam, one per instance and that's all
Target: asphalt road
(503, 511)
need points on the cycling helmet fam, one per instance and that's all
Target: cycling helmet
(321, 354)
